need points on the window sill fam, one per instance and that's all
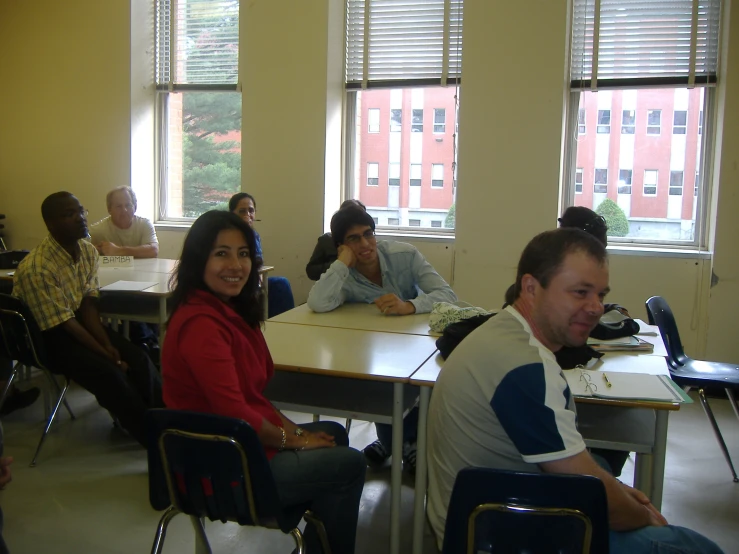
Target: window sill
(657, 252)
(173, 226)
(404, 235)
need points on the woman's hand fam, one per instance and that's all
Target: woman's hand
(314, 441)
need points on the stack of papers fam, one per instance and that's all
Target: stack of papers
(627, 344)
(629, 386)
(128, 286)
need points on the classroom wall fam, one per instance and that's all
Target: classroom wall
(68, 104)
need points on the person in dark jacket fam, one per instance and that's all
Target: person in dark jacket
(325, 253)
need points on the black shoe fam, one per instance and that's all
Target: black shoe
(376, 454)
(18, 399)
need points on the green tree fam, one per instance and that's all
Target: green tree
(618, 225)
(450, 218)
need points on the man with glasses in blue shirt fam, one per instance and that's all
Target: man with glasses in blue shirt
(392, 275)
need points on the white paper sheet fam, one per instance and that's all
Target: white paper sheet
(129, 285)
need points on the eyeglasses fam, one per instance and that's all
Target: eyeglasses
(598, 222)
(368, 235)
(588, 382)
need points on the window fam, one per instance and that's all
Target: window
(439, 120)
(394, 175)
(436, 223)
(650, 182)
(653, 121)
(373, 174)
(376, 220)
(417, 122)
(679, 122)
(601, 181)
(626, 74)
(624, 181)
(437, 175)
(406, 61)
(396, 120)
(373, 116)
(415, 180)
(628, 122)
(581, 128)
(198, 106)
(676, 183)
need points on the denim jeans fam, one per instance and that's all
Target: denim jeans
(330, 480)
(410, 430)
(669, 539)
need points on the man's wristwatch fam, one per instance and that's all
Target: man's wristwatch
(299, 432)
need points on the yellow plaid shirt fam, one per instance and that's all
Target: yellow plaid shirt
(52, 284)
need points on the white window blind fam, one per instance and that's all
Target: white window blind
(197, 43)
(403, 42)
(644, 43)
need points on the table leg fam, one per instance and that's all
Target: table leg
(660, 454)
(265, 288)
(419, 509)
(643, 465)
(396, 471)
(162, 318)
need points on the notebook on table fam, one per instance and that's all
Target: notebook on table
(624, 386)
(625, 344)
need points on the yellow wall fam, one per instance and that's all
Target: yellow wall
(68, 95)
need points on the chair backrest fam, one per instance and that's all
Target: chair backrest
(9, 259)
(21, 336)
(211, 466)
(504, 511)
(660, 314)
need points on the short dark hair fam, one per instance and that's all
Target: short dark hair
(545, 253)
(352, 202)
(238, 197)
(586, 219)
(345, 219)
(50, 205)
(188, 275)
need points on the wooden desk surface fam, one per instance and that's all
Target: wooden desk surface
(347, 352)
(359, 316)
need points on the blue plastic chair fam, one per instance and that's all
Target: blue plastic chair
(689, 373)
(22, 342)
(510, 512)
(211, 466)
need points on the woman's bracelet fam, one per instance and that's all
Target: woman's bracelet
(306, 443)
(284, 438)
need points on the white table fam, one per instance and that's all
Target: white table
(636, 426)
(349, 373)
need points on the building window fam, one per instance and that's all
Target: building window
(414, 222)
(700, 122)
(393, 221)
(394, 175)
(600, 184)
(396, 120)
(654, 117)
(578, 180)
(439, 120)
(581, 127)
(376, 220)
(417, 121)
(624, 181)
(437, 175)
(373, 174)
(676, 183)
(696, 183)
(650, 182)
(436, 223)
(373, 115)
(415, 180)
(628, 122)
(679, 122)
(198, 107)
(604, 122)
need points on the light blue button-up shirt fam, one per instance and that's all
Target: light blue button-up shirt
(405, 273)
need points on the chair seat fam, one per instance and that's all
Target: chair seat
(699, 373)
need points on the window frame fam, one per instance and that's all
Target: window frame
(437, 111)
(644, 184)
(378, 125)
(599, 125)
(441, 181)
(376, 166)
(652, 125)
(603, 183)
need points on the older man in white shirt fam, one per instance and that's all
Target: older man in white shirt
(123, 233)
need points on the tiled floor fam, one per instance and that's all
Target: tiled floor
(89, 491)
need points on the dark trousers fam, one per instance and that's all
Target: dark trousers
(127, 395)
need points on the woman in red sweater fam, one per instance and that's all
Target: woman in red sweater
(215, 360)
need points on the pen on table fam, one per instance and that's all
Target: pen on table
(605, 378)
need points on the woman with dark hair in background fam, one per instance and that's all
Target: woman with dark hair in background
(280, 293)
(215, 360)
(325, 252)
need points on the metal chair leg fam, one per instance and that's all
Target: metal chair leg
(717, 432)
(202, 546)
(55, 383)
(162, 529)
(348, 425)
(12, 377)
(49, 423)
(299, 542)
(316, 417)
(311, 519)
(732, 399)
